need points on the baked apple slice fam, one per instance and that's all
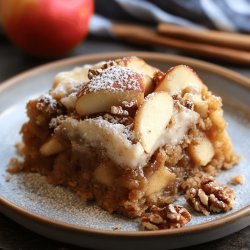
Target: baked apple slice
(179, 78)
(202, 151)
(152, 117)
(65, 81)
(112, 87)
(140, 66)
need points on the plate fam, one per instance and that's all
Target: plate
(57, 213)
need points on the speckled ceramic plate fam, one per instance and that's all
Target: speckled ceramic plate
(57, 213)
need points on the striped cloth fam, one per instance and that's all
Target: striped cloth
(226, 15)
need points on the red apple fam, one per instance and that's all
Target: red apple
(46, 28)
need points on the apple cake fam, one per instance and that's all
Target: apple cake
(127, 135)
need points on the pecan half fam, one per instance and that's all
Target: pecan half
(158, 77)
(210, 196)
(167, 217)
(94, 71)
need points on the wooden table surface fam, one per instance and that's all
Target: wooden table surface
(13, 236)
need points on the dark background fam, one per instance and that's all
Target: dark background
(12, 62)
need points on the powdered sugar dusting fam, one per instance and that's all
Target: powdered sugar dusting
(127, 130)
(115, 78)
(44, 100)
(115, 125)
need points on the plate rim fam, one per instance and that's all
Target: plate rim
(209, 67)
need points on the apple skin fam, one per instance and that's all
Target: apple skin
(46, 28)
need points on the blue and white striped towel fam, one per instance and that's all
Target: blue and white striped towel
(226, 15)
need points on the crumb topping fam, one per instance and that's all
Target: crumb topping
(114, 120)
(118, 110)
(56, 121)
(47, 104)
(237, 180)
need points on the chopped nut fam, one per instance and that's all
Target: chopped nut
(210, 196)
(237, 180)
(158, 77)
(189, 104)
(167, 217)
(49, 105)
(94, 71)
(203, 197)
(176, 96)
(191, 182)
(131, 104)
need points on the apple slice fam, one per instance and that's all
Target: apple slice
(140, 66)
(112, 87)
(152, 118)
(51, 147)
(103, 100)
(64, 82)
(105, 174)
(178, 78)
(202, 151)
(148, 84)
(160, 180)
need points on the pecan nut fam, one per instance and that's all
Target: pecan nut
(167, 217)
(210, 196)
(94, 71)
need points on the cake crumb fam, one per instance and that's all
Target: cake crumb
(14, 165)
(237, 180)
(116, 228)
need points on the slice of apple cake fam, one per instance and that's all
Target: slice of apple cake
(126, 135)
